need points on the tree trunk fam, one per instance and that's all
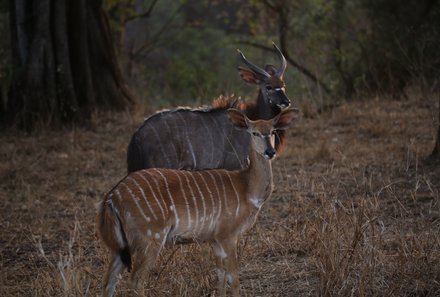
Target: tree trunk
(64, 63)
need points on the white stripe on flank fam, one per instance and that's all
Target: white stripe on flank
(189, 141)
(143, 196)
(212, 210)
(165, 122)
(169, 195)
(236, 195)
(160, 143)
(135, 199)
(158, 190)
(209, 132)
(218, 196)
(226, 137)
(202, 197)
(184, 197)
(152, 191)
(225, 198)
(185, 173)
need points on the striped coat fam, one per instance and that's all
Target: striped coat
(154, 207)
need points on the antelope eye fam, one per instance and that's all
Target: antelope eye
(269, 88)
(255, 133)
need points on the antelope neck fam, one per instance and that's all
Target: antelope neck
(259, 175)
(265, 109)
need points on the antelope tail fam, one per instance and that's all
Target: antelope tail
(112, 232)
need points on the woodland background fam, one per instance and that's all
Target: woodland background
(163, 53)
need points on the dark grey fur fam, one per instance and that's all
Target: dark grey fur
(204, 138)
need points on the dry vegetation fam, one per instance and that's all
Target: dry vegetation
(355, 212)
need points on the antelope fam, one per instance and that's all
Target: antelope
(204, 138)
(154, 207)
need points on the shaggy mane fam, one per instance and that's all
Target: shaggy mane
(225, 102)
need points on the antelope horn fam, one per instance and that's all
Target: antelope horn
(252, 66)
(280, 71)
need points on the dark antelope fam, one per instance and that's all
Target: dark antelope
(155, 207)
(204, 138)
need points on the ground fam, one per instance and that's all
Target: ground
(355, 211)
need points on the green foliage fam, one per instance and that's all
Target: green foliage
(202, 69)
(185, 53)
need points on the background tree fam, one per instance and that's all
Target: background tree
(63, 63)
(184, 52)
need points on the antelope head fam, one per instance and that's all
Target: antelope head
(263, 131)
(269, 79)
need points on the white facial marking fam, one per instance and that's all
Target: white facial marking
(149, 233)
(157, 236)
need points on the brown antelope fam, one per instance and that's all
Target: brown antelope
(204, 138)
(155, 207)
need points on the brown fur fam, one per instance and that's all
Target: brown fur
(250, 109)
(158, 206)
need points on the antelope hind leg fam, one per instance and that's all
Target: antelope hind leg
(111, 277)
(143, 261)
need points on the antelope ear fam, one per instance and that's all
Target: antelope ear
(238, 118)
(248, 76)
(270, 69)
(283, 120)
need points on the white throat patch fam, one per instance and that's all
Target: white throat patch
(257, 202)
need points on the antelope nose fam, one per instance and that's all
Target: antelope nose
(285, 103)
(269, 153)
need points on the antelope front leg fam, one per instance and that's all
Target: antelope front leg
(219, 256)
(227, 266)
(231, 263)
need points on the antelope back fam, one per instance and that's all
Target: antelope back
(204, 138)
(188, 139)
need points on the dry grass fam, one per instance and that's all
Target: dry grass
(355, 211)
